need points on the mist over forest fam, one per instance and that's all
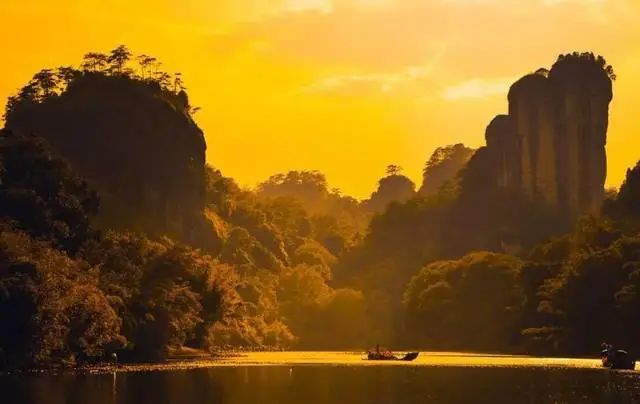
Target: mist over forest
(116, 236)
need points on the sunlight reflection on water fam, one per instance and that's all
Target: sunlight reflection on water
(447, 359)
(337, 377)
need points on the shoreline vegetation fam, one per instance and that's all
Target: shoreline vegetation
(117, 237)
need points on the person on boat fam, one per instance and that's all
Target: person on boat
(380, 354)
(607, 351)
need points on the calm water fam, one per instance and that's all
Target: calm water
(308, 378)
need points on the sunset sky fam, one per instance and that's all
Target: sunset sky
(342, 86)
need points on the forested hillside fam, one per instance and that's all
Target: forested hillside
(117, 236)
(103, 171)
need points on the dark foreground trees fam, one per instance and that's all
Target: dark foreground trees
(51, 306)
(471, 303)
(70, 294)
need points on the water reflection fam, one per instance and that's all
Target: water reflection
(330, 384)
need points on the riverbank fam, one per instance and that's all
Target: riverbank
(336, 377)
(328, 358)
(182, 359)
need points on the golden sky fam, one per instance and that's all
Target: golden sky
(342, 86)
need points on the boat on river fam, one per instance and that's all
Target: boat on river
(378, 355)
(618, 359)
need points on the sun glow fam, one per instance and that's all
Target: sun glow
(342, 86)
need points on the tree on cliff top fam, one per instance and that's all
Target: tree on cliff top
(119, 58)
(571, 63)
(393, 169)
(50, 82)
(94, 62)
(443, 165)
(310, 187)
(394, 187)
(336, 219)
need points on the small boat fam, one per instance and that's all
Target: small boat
(388, 356)
(619, 359)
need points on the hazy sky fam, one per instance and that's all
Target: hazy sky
(342, 86)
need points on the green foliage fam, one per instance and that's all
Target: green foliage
(470, 213)
(283, 241)
(580, 300)
(310, 187)
(584, 284)
(118, 59)
(320, 316)
(221, 192)
(40, 195)
(171, 295)
(623, 207)
(51, 306)
(471, 303)
(571, 293)
(443, 166)
(152, 294)
(314, 254)
(148, 286)
(251, 318)
(395, 187)
(336, 220)
(244, 251)
(271, 251)
(50, 83)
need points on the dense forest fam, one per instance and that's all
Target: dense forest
(117, 237)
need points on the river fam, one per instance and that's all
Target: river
(337, 377)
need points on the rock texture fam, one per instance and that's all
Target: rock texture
(551, 145)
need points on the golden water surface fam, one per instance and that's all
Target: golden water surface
(424, 359)
(333, 378)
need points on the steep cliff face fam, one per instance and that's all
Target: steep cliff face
(552, 143)
(134, 142)
(504, 148)
(584, 89)
(531, 109)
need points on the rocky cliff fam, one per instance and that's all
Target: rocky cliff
(134, 142)
(551, 145)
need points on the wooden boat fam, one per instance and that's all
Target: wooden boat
(619, 359)
(388, 356)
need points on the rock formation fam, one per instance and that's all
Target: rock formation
(502, 144)
(135, 143)
(551, 145)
